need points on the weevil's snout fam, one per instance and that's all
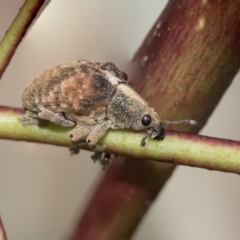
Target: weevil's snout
(160, 133)
(157, 131)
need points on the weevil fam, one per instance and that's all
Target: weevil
(93, 97)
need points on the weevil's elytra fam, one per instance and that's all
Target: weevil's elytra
(91, 96)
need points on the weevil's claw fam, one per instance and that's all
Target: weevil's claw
(75, 148)
(96, 156)
(105, 160)
(102, 157)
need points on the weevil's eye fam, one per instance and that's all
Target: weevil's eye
(146, 120)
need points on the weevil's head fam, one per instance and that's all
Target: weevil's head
(153, 124)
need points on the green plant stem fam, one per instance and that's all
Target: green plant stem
(179, 148)
(17, 31)
(11, 128)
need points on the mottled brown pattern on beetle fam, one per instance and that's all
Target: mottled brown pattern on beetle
(88, 68)
(125, 105)
(69, 89)
(110, 67)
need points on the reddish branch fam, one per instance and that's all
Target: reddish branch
(3, 235)
(183, 67)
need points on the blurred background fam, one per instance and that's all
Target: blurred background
(43, 190)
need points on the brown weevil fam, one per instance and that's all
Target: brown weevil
(93, 97)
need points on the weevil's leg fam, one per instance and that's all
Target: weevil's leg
(102, 157)
(27, 120)
(30, 118)
(80, 132)
(93, 133)
(76, 135)
(56, 118)
(76, 147)
(31, 113)
(97, 133)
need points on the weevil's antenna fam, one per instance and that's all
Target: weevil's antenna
(184, 121)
